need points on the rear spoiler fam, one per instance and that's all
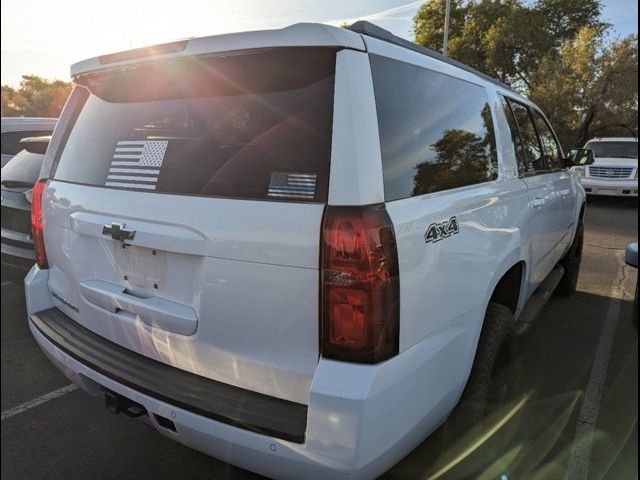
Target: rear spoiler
(36, 144)
(298, 35)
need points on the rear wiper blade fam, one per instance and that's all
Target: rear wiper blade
(16, 184)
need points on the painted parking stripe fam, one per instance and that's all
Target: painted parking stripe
(23, 407)
(4, 284)
(578, 468)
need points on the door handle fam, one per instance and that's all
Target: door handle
(565, 193)
(538, 202)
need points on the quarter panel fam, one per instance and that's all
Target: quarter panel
(444, 280)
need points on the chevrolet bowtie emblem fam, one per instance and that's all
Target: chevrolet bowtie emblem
(117, 231)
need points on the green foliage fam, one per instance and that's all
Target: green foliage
(555, 51)
(591, 89)
(36, 97)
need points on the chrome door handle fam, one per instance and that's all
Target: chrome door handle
(565, 193)
(538, 202)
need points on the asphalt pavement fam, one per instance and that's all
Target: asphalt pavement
(574, 414)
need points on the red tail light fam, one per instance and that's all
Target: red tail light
(360, 289)
(37, 223)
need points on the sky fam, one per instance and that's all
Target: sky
(45, 37)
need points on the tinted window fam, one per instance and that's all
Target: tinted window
(253, 125)
(530, 141)
(614, 149)
(436, 132)
(515, 136)
(549, 143)
(11, 140)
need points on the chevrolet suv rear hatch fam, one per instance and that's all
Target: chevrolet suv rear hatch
(184, 211)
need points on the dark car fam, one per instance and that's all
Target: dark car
(18, 177)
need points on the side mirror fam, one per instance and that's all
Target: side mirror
(631, 255)
(35, 144)
(581, 157)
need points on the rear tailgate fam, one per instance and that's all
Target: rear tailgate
(216, 171)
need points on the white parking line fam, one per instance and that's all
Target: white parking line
(578, 468)
(4, 284)
(23, 407)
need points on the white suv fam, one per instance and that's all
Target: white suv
(615, 168)
(295, 249)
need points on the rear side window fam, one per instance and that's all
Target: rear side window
(549, 143)
(252, 125)
(515, 135)
(11, 140)
(436, 131)
(530, 141)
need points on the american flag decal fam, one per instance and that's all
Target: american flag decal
(292, 185)
(136, 164)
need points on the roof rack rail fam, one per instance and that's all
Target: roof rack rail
(367, 28)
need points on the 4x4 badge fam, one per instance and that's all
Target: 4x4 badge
(440, 230)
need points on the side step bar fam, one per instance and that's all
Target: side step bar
(538, 300)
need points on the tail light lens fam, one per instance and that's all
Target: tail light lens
(37, 223)
(360, 289)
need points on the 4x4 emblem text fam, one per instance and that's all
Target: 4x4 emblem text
(441, 230)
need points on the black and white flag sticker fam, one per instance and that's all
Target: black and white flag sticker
(136, 164)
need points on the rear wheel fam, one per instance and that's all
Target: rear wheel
(493, 379)
(571, 264)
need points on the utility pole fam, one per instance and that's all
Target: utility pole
(447, 14)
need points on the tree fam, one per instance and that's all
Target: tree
(36, 97)
(554, 51)
(592, 89)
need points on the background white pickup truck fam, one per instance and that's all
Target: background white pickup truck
(615, 170)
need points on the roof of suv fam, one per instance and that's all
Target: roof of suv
(299, 34)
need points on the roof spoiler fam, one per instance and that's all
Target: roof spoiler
(367, 28)
(171, 47)
(36, 144)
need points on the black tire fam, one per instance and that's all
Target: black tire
(491, 382)
(571, 263)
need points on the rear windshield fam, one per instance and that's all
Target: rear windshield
(614, 149)
(252, 125)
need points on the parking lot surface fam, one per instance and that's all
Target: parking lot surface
(574, 415)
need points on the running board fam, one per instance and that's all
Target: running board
(538, 300)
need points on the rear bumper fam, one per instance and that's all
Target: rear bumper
(618, 188)
(360, 420)
(228, 404)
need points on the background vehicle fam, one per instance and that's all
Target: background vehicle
(15, 129)
(299, 250)
(615, 170)
(18, 178)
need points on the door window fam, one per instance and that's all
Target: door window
(515, 136)
(551, 146)
(534, 156)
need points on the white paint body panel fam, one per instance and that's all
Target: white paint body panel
(249, 272)
(250, 278)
